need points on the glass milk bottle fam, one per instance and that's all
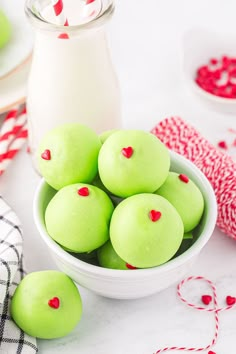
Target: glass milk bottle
(72, 78)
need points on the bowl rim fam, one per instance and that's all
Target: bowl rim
(94, 270)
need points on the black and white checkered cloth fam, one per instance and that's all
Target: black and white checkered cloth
(12, 339)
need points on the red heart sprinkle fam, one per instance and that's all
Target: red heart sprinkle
(89, 1)
(184, 178)
(127, 152)
(211, 352)
(46, 155)
(206, 299)
(213, 61)
(54, 303)
(154, 215)
(84, 191)
(230, 300)
(222, 144)
(129, 266)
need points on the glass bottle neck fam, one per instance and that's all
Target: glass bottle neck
(42, 16)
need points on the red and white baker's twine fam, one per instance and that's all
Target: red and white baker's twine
(13, 135)
(214, 310)
(218, 167)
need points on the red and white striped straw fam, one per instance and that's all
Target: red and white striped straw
(215, 309)
(12, 136)
(59, 12)
(91, 8)
(14, 148)
(6, 132)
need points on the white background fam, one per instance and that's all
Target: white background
(145, 39)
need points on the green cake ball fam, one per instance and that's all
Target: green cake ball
(105, 135)
(68, 154)
(46, 305)
(5, 29)
(146, 230)
(132, 162)
(78, 217)
(185, 196)
(108, 258)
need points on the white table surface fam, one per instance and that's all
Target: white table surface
(145, 41)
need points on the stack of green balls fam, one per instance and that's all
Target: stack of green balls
(116, 205)
(116, 197)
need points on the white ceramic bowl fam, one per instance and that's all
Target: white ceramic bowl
(121, 284)
(199, 46)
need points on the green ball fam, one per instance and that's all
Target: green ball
(80, 223)
(5, 29)
(146, 230)
(132, 162)
(68, 154)
(185, 197)
(46, 305)
(108, 258)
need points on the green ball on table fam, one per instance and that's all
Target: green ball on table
(46, 305)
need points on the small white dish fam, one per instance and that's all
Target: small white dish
(200, 45)
(122, 284)
(19, 47)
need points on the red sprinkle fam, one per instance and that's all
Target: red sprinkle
(211, 352)
(206, 299)
(54, 303)
(84, 191)
(63, 36)
(46, 155)
(213, 61)
(129, 266)
(230, 300)
(222, 144)
(154, 215)
(184, 178)
(127, 152)
(89, 1)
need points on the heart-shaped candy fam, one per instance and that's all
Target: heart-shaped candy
(84, 191)
(46, 155)
(230, 300)
(127, 152)
(184, 178)
(206, 299)
(154, 215)
(54, 303)
(129, 266)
